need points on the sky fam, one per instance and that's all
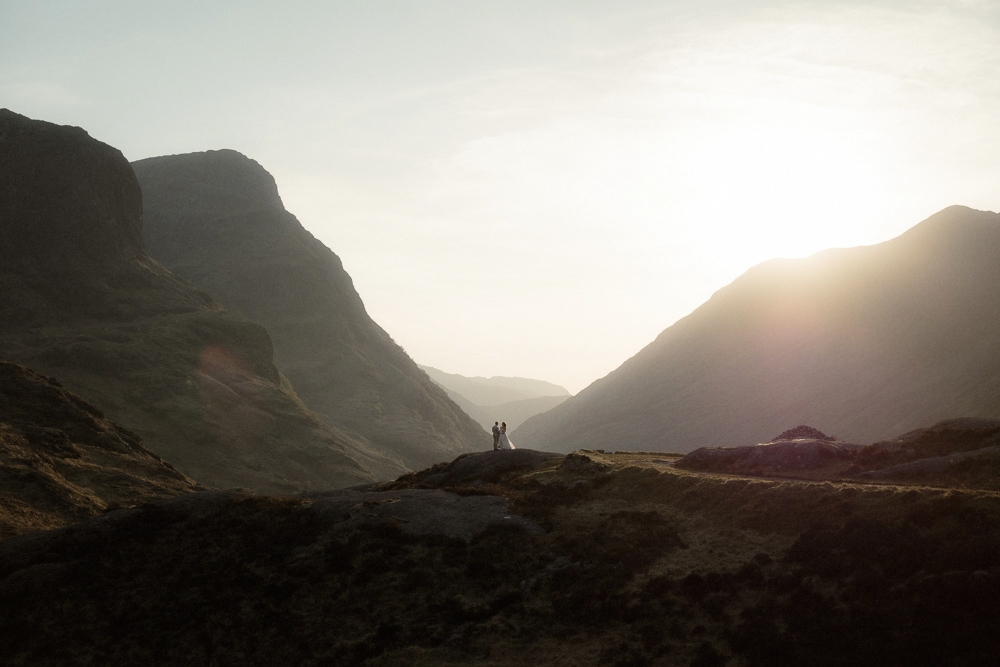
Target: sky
(538, 189)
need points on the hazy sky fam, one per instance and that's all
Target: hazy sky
(540, 188)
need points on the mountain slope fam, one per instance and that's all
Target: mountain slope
(81, 300)
(62, 460)
(216, 219)
(862, 343)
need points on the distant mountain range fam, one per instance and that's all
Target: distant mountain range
(507, 399)
(862, 343)
(216, 219)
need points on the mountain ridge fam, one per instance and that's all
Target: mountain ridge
(81, 300)
(206, 221)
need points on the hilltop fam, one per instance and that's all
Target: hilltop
(957, 453)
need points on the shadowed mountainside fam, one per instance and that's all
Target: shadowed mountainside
(862, 342)
(215, 218)
(81, 300)
(516, 558)
(62, 460)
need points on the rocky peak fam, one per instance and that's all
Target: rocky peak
(67, 201)
(223, 180)
(71, 231)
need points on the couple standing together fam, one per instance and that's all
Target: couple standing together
(500, 439)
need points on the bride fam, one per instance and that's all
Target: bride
(505, 442)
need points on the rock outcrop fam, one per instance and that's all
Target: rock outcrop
(216, 219)
(81, 300)
(959, 453)
(770, 458)
(863, 342)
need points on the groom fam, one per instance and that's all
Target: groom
(496, 436)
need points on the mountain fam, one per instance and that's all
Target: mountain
(81, 300)
(216, 219)
(495, 390)
(519, 558)
(862, 343)
(515, 413)
(508, 399)
(62, 460)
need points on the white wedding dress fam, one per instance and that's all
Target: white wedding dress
(505, 442)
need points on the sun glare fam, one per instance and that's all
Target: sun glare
(776, 186)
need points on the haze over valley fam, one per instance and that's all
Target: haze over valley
(728, 272)
(507, 399)
(557, 184)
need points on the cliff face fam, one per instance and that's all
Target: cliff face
(87, 214)
(70, 232)
(862, 342)
(216, 220)
(81, 300)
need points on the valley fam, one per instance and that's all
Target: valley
(211, 454)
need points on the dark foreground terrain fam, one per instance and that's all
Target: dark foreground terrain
(959, 453)
(518, 558)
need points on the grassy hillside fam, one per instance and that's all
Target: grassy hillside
(62, 460)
